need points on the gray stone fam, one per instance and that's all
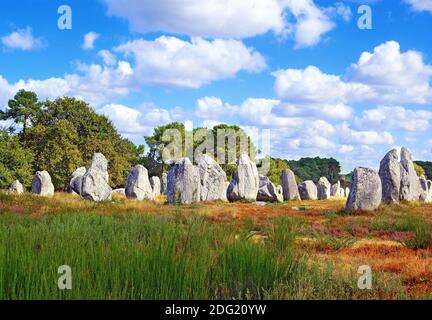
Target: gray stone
(366, 190)
(410, 188)
(425, 190)
(213, 179)
(308, 190)
(75, 182)
(324, 188)
(16, 187)
(183, 182)
(138, 184)
(156, 185)
(95, 185)
(336, 190)
(246, 181)
(164, 183)
(268, 191)
(347, 192)
(289, 185)
(42, 184)
(390, 174)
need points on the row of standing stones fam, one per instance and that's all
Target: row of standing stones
(187, 183)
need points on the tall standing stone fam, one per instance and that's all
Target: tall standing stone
(246, 181)
(308, 190)
(366, 190)
(75, 182)
(425, 192)
(164, 183)
(268, 191)
(95, 185)
(42, 184)
(390, 174)
(213, 179)
(410, 184)
(336, 190)
(347, 192)
(16, 187)
(183, 182)
(156, 186)
(289, 185)
(324, 188)
(138, 184)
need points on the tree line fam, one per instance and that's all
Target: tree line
(61, 135)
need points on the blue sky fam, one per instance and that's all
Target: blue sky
(302, 69)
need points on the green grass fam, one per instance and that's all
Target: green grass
(161, 257)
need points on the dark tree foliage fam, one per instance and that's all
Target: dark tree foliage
(315, 168)
(427, 166)
(65, 133)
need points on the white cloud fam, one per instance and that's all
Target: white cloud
(89, 40)
(368, 137)
(230, 19)
(22, 39)
(169, 61)
(393, 76)
(213, 108)
(420, 5)
(93, 83)
(212, 18)
(311, 22)
(384, 76)
(394, 117)
(108, 58)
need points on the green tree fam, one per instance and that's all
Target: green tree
(419, 170)
(153, 160)
(56, 150)
(275, 170)
(427, 167)
(315, 168)
(23, 109)
(15, 161)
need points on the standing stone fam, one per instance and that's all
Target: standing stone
(156, 186)
(429, 186)
(347, 192)
(95, 185)
(324, 188)
(213, 179)
(268, 191)
(410, 188)
(342, 192)
(289, 185)
(336, 190)
(366, 192)
(390, 174)
(42, 184)
(75, 182)
(164, 183)
(138, 184)
(425, 190)
(246, 181)
(183, 182)
(308, 190)
(16, 187)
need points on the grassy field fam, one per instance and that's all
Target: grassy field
(150, 250)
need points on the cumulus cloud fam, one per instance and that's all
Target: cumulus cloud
(384, 76)
(394, 117)
(368, 137)
(170, 61)
(22, 39)
(94, 83)
(107, 57)
(420, 5)
(303, 19)
(89, 40)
